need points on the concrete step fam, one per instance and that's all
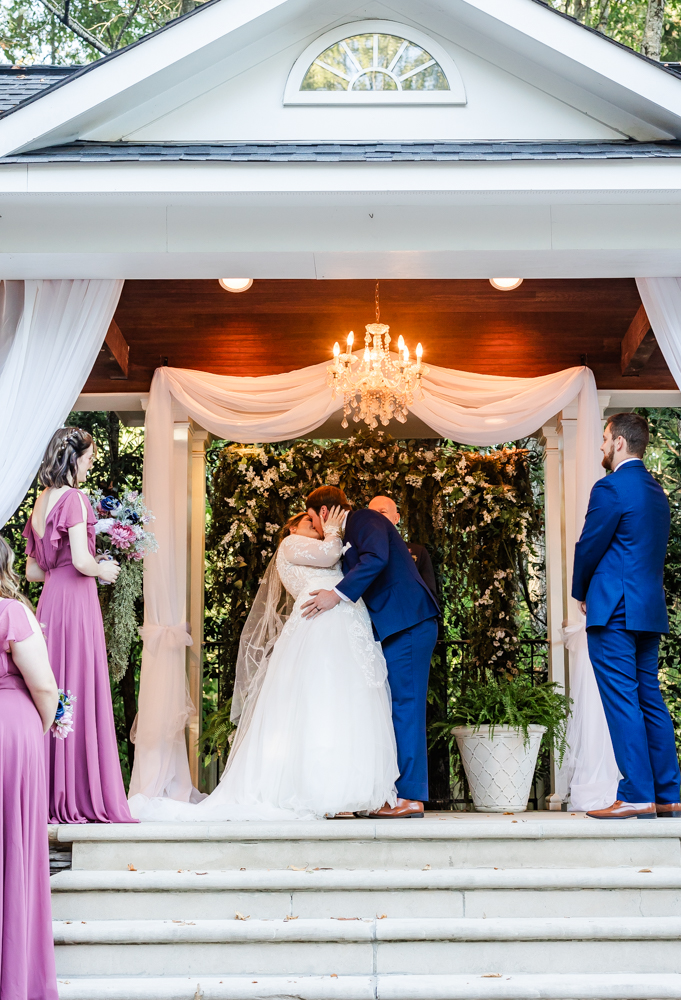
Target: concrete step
(489, 986)
(396, 844)
(418, 947)
(466, 892)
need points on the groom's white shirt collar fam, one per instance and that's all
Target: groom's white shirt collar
(626, 462)
(335, 589)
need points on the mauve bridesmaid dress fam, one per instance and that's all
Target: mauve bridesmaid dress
(84, 778)
(26, 948)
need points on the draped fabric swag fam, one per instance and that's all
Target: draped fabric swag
(50, 335)
(468, 408)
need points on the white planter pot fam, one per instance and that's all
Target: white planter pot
(500, 768)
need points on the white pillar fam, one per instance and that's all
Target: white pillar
(555, 582)
(560, 605)
(196, 531)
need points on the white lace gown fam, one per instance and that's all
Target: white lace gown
(321, 739)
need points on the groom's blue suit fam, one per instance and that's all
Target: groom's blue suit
(379, 568)
(619, 561)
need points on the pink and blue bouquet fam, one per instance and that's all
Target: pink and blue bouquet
(63, 720)
(121, 527)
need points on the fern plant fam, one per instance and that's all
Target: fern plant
(517, 703)
(215, 738)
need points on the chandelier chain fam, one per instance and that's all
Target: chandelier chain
(378, 305)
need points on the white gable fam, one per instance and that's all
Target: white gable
(220, 75)
(495, 105)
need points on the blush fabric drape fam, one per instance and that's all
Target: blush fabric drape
(50, 335)
(468, 408)
(662, 300)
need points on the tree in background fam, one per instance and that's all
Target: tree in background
(63, 32)
(68, 32)
(652, 27)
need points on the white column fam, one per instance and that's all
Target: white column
(560, 610)
(555, 582)
(196, 529)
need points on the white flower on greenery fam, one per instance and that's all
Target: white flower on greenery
(333, 478)
(438, 474)
(283, 467)
(413, 480)
(102, 526)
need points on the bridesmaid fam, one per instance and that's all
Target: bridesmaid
(28, 702)
(83, 772)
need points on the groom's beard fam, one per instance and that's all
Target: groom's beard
(607, 459)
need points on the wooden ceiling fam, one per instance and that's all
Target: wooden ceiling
(276, 326)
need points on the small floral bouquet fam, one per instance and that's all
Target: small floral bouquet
(122, 534)
(121, 525)
(63, 720)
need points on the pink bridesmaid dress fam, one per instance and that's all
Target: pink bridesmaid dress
(26, 949)
(85, 784)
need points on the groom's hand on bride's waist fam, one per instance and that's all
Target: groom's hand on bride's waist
(320, 600)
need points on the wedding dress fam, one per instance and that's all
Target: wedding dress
(315, 736)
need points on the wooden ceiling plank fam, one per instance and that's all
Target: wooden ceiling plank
(638, 344)
(119, 348)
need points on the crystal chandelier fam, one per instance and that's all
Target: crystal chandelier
(385, 384)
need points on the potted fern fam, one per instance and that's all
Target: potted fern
(499, 727)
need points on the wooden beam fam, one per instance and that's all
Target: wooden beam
(638, 344)
(118, 347)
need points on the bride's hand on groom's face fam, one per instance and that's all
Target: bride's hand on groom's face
(334, 519)
(320, 600)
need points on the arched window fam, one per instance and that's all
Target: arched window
(374, 62)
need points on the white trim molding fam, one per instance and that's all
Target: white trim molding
(293, 95)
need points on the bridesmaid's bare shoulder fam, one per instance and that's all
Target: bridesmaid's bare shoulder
(45, 503)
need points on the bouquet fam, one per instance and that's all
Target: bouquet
(63, 720)
(121, 526)
(122, 534)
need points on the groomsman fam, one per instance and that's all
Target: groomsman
(619, 563)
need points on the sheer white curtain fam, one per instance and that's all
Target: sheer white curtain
(472, 409)
(50, 334)
(662, 300)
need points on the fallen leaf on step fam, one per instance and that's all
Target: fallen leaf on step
(131, 868)
(83, 921)
(243, 869)
(200, 873)
(492, 975)
(509, 814)
(240, 916)
(426, 868)
(289, 918)
(649, 870)
(295, 868)
(514, 821)
(346, 918)
(334, 975)
(382, 916)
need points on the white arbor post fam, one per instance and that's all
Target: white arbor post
(560, 455)
(196, 529)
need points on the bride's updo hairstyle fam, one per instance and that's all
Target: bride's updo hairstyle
(9, 581)
(59, 466)
(327, 496)
(292, 522)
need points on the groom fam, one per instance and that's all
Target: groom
(378, 567)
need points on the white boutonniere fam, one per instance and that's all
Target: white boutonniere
(348, 545)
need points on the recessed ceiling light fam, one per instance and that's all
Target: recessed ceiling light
(505, 284)
(239, 284)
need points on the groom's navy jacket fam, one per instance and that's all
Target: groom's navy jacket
(379, 568)
(621, 551)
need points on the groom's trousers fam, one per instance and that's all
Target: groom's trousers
(625, 665)
(408, 654)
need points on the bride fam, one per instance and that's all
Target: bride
(315, 735)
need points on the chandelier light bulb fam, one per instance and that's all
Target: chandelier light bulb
(336, 349)
(351, 340)
(235, 284)
(419, 351)
(505, 284)
(400, 344)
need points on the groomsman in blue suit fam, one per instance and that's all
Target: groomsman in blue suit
(378, 567)
(619, 562)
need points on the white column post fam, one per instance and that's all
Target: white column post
(555, 582)
(196, 530)
(181, 483)
(566, 428)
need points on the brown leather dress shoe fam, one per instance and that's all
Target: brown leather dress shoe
(668, 810)
(625, 810)
(403, 809)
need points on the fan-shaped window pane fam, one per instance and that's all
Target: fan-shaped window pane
(375, 62)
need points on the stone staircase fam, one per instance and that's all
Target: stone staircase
(439, 909)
